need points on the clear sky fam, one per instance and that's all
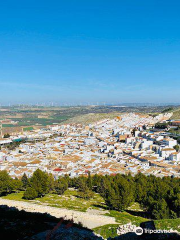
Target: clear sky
(75, 51)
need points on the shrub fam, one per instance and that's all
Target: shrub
(30, 194)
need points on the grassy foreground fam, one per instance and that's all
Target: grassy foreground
(70, 200)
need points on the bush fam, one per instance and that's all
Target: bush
(88, 194)
(60, 186)
(6, 135)
(30, 194)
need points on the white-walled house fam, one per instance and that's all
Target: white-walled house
(170, 142)
(146, 144)
(166, 152)
(174, 156)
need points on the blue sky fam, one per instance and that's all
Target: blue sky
(77, 51)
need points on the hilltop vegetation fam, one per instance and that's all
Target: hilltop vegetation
(174, 110)
(176, 114)
(92, 117)
(167, 110)
(171, 109)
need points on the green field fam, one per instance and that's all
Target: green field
(39, 121)
(8, 125)
(28, 129)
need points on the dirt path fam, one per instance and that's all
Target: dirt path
(88, 220)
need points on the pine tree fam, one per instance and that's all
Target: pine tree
(89, 181)
(25, 181)
(60, 186)
(161, 210)
(39, 182)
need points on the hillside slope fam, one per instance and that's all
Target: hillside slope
(176, 114)
(92, 117)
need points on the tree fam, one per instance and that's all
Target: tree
(89, 181)
(103, 186)
(176, 204)
(60, 186)
(160, 210)
(39, 182)
(51, 183)
(17, 184)
(6, 183)
(7, 135)
(88, 194)
(96, 179)
(140, 187)
(25, 181)
(114, 200)
(176, 147)
(84, 191)
(161, 125)
(125, 190)
(30, 194)
(172, 214)
(81, 182)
